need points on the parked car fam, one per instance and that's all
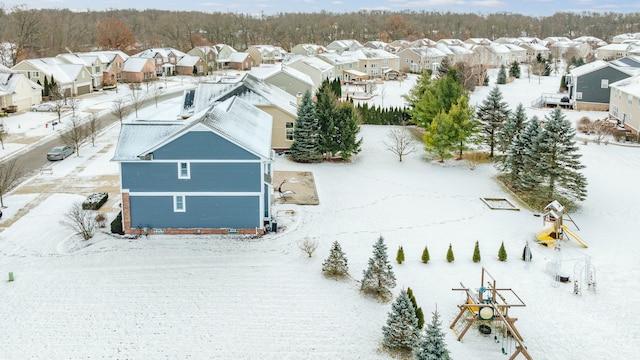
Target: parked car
(60, 153)
(43, 107)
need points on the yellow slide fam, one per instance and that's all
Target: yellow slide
(545, 235)
(573, 235)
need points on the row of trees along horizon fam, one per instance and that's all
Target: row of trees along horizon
(48, 32)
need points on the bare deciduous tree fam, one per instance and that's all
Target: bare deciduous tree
(400, 141)
(92, 128)
(119, 109)
(10, 173)
(3, 134)
(156, 91)
(75, 133)
(308, 245)
(136, 99)
(73, 104)
(83, 222)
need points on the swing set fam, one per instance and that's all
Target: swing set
(490, 305)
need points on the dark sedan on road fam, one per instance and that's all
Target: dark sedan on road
(60, 153)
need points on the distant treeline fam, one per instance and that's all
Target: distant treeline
(48, 32)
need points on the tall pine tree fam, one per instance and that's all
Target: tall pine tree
(492, 113)
(347, 127)
(524, 157)
(509, 133)
(378, 278)
(336, 263)
(325, 111)
(306, 138)
(559, 160)
(431, 345)
(436, 97)
(401, 333)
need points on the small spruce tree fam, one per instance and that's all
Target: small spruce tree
(502, 75)
(336, 263)
(306, 139)
(502, 253)
(476, 253)
(431, 345)
(450, 257)
(419, 313)
(425, 255)
(401, 333)
(400, 255)
(378, 278)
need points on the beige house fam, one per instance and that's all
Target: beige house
(617, 51)
(624, 103)
(72, 79)
(317, 69)
(341, 46)
(417, 60)
(208, 54)
(308, 49)
(284, 77)
(456, 53)
(138, 69)
(95, 63)
(266, 54)
(269, 98)
(532, 50)
(374, 62)
(345, 66)
(18, 91)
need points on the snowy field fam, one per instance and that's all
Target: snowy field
(199, 297)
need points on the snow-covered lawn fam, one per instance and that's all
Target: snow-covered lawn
(198, 297)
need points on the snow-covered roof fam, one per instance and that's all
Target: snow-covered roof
(188, 60)
(427, 52)
(629, 85)
(134, 64)
(593, 66)
(234, 119)
(63, 73)
(312, 62)
(266, 71)
(249, 89)
(237, 57)
(335, 58)
(164, 52)
(242, 123)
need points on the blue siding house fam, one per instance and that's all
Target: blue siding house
(209, 174)
(589, 84)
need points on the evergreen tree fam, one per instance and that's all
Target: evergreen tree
(422, 85)
(492, 113)
(45, 87)
(559, 161)
(436, 97)
(378, 278)
(466, 125)
(425, 255)
(336, 263)
(563, 83)
(401, 333)
(347, 127)
(419, 313)
(524, 157)
(450, 257)
(400, 255)
(326, 108)
(502, 75)
(507, 135)
(502, 253)
(443, 67)
(431, 345)
(514, 70)
(476, 253)
(441, 137)
(420, 316)
(306, 147)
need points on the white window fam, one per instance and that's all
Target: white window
(579, 95)
(629, 99)
(614, 110)
(184, 170)
(179, 204)
(158, 61)
(604, 83)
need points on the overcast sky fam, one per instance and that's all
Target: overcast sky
(526, 7)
